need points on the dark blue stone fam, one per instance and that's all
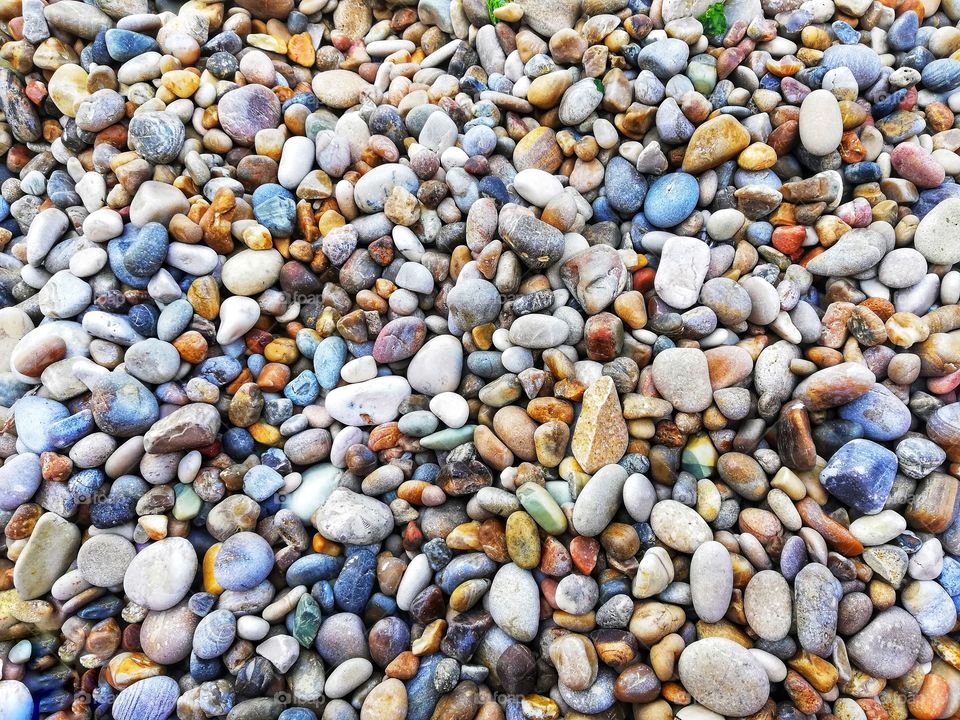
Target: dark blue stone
(465, 567)
(354, 585)
(238, 443)
(941, 75)
(123, 45)
(67, 431)
(950, 576)
(322, 592)
(861, 474)
(204, 670)
(880, 413)
(422, 689)
(117, 250)
(101, 608)
(929, 199)
(770, 82)
(311, 568)
(84, 484)
(307, 99)
(98, 50)
(437, 553)
(276, 459)
(493, 187)
(624, 185)
(226, 42)
(297, 713)
(888, 103)
(146, 254)
(220, 370)
(603, 211)
(276, 410)
(861, 60)
(862, 172)
(144, 318)
(465, 633)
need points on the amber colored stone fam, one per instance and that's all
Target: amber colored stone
(192, 347)
(22, 521)
(932, 506)
(795, 438)
(555, 560)
(273, 377)
(403, 666)
(818, 672)
(837, 536)
(129, 667)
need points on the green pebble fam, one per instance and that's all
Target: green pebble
(188, 503)
(448, 439)
(542, 508)
(306, 620)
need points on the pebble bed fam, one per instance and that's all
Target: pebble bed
(475, 359)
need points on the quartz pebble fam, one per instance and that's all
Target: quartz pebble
(464, 360)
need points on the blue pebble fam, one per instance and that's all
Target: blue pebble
(4, 209)
(303, 389)
(276, 459)
(759, 233)
(117, 250)
(308, 99)
(950, 576)
(220, 370)
(328, 361)
(101, 608)
(861, 474)
(322, 592)
(145, 255)
(465, 567)
(479, 140)
(929, 199)
(123, 405)
(770, 82)
(67, 431)
(845, 33)
(902, 35)
(144, 318)
(603, 211)
(862, 172)
(260, 482)
(275, 208)
(276, 410)
(624, 185)
(238, 443)
(11, 389)
(34, 417)
(307, 342)
(84, 484)
(256, 363)
(879, 412)
(887, 104)
(99, 52)
(312, 568)
(354, 585)
(493, 187)
(297, 713)
(422, 688)
(941, 75)
(243, 562)
(125, 45)
(671, 199)
(204, 670)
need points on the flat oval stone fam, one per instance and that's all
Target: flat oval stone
(247, 110)
(678, 526)
(723, 676)
(711, 581)
(150, 699)
(768, 605)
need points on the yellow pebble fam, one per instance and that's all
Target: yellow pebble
(210, 583)
(265, 434)
(267, 42)
(181, 83)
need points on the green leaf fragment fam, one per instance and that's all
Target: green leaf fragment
(599, 84)
(713, 20)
